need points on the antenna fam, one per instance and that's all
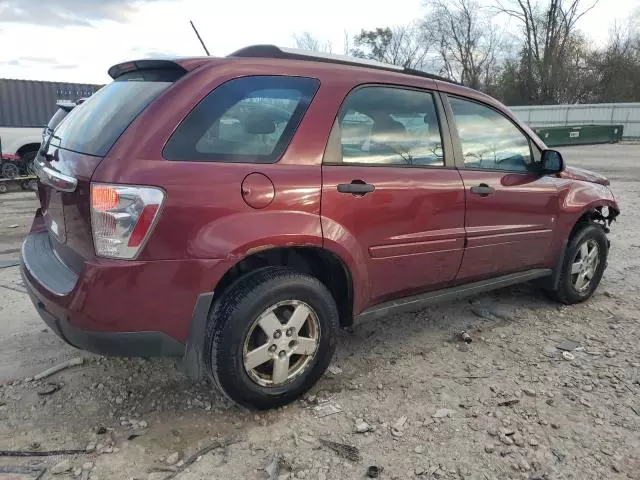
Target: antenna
(199, 38)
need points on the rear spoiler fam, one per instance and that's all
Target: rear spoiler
(149, 64)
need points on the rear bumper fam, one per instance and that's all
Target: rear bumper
(44, 266)
(120, 308)
(123, 344)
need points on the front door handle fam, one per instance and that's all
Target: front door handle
(356, 187)
(483, 190)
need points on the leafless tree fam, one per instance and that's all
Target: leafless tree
(346, 44)
(306, 41)
(617, 65)
(550, 37)
(406, 46)
(466, 41)
(546, 60)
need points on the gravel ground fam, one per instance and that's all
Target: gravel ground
(414, 400)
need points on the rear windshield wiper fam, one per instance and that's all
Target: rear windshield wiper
(45, 146)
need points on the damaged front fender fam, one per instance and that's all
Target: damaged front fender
(587, 201)
(604, 215)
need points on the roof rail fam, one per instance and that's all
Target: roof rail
(272, 51)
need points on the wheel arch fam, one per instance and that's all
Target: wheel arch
(320, 262)
(29, 147)
(596, 213)
(602, 212)
(324, 264)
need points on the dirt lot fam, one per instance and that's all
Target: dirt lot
(508, 405)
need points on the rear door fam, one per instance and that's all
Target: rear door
(391, 191)
(511, 209)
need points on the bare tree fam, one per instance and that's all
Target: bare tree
(306, 41)
(545, 61)
(466, 41)
(617, 66)
(406, 46)
(346, 43)
(550, 38)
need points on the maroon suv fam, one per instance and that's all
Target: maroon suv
(237, 211)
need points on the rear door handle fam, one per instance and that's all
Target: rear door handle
(483, 190)
(356, 187)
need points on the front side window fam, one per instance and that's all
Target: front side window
(389, 126)
(249, 119)
(489, 140)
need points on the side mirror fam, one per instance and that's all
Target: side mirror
(551, 162)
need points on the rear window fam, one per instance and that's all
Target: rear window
(249, 119)
(93, 127)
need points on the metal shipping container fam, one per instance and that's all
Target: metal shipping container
(30, 103)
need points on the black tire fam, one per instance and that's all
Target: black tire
(566, 292)
(3, 188)
(230, 322)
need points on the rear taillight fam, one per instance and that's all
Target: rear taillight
(122, 218)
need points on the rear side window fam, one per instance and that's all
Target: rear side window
(93, 127)
(389, 126)
(249, 120)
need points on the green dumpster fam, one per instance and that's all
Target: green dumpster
(579, 134)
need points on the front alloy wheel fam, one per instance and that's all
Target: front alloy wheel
(584, 262)
(584, 266)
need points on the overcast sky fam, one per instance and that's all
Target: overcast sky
(77, 40)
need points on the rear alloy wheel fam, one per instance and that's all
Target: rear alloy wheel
(3, 188)
(270, 337)
(584, 264)
(281, 343)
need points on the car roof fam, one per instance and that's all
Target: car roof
(271, 52)
(315, 63)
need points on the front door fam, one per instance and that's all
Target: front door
(511, 209)
(391, 191)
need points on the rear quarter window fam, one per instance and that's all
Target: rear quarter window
(248, 120)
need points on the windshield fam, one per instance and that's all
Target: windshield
(93, 127)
